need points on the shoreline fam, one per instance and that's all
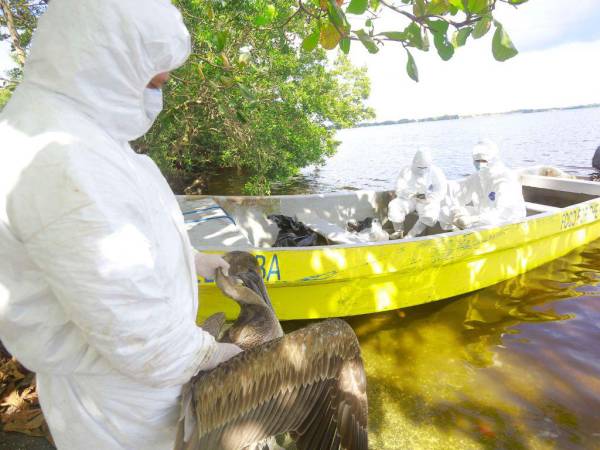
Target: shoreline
(472, 116)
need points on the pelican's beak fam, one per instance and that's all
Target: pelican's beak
(253, 280)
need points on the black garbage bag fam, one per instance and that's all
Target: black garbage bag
(293, 233)
(359, 225)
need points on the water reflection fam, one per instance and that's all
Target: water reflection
(516, 365)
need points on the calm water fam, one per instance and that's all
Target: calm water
(370, 158)
(513, 366)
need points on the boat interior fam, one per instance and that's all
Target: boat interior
(241, 222)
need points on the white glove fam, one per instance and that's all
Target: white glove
(465, 221)
(207, 265)
(222, 353)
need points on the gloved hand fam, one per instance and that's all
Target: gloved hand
(421, 198)
(222, 353)
(465, 221)
(207, 265)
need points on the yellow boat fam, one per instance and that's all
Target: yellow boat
(355, 278)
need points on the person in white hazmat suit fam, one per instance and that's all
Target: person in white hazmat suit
(98, 280)
(491, 196)
(420, 187)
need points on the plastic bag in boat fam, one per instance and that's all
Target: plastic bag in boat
(293, 233)
(359, 225)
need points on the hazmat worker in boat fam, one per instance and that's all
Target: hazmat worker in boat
(491, 196)
(98, 280)
(421, 188)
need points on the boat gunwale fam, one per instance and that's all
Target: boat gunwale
(438, 236)
(444, 235)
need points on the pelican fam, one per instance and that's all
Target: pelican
(309, 383)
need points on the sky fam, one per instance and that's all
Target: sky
(5, 59)
(558, 65)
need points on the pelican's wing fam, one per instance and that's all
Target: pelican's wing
(310, 383)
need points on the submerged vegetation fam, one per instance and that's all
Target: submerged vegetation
(260, 96)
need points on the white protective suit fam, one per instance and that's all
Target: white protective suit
(422, 177)
(98, 290)
(491, 196)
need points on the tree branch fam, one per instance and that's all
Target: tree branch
(12, 29)
(421, 20)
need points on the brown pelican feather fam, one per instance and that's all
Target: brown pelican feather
(309, 383)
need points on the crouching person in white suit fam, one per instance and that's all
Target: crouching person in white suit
(421, 187)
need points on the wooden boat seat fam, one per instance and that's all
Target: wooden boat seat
(538, 208)
(334, 233)
(208, 224)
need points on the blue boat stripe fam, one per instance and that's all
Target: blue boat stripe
(199, 210)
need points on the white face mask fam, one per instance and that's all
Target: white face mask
(481, 165)
(153, 103)
(420, 171)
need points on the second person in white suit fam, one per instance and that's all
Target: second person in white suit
(421, 187)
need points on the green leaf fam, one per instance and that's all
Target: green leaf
(438, 7)
(345, 45)
(357, 6)
(411, 67)
(336, 15)
(444, 47)
(366, 40)
(226, 81)
(416, 37)
(246, 92)
(220, 40)
(438, 26)
(330, 36)
(482, 27)
(241, 116)
(458, 4)
(311, 41)
(460, 37)
(477, 6)
(419, 8)
(502, 46)
(266, 16)
(395, 35)
(374, 4)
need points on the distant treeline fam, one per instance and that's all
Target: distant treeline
(456, 116)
